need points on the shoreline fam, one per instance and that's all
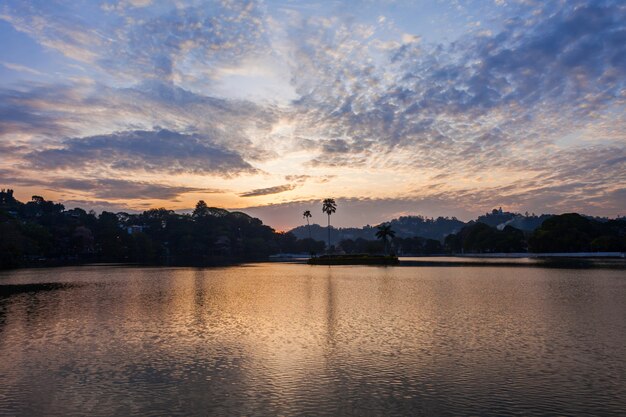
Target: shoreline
(583, 255)
(548, 260)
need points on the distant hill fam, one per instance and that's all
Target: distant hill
(500, 219)
(336, 234)
(406, 226)
(418, 226)
(424, 227)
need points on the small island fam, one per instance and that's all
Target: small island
(384, 232)
(354, 259)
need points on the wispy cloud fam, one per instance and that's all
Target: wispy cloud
(116, 189)
(106, 188)
(267, 191)
(21, 68)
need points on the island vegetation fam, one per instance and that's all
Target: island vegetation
(337, 256)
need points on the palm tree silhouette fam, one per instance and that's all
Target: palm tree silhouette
(307, 215)
(329, 207)
(384, 231)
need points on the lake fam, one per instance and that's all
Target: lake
(293, 339)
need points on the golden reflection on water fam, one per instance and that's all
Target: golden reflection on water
(293, 339)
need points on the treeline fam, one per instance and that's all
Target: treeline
(42, 232)
(575, 233)
(482, 238)
(563, 233)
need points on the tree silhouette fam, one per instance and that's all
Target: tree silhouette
(384, 232)
(329, 207)
(201, 209)
(307, 215)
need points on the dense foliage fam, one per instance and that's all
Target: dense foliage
(564, 233)
(42, 232)
(572, 232)
(481, 238)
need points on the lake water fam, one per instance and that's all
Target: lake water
(293, 339)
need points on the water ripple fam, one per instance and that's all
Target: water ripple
(290, 339)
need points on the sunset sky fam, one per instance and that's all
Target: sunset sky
(391, 107)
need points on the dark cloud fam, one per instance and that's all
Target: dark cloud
(9, 178)
(21, 114)
(335, 146)
(103, 188)
(301, 179)
(117, 189)
(155, 151)
(22, 120)
(59, 111)
(267, 191)
(297, 178)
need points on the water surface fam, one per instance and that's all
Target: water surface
(294, 339)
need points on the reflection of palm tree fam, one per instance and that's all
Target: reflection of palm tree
(307, 216)
(329, 207)
(384, 231)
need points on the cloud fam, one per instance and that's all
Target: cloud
(104, 188)
(21, 68)
(267, 191)
(117, 189)
(10, 178)
(55, 27)
(17, 116)
(58, 111)
(188, 39)
(153, 151)
(99, 206)
(477, 102)
(159, 42)
(297, 178)
(125, 4)
(525, 110)
(335, 146)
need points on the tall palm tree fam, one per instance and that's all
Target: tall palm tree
(384, 232)
(307, 215)
(329, 207)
